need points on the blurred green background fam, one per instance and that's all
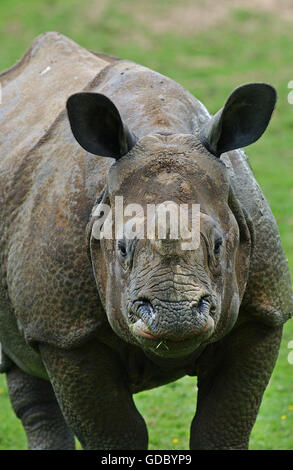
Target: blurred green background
(210, 48)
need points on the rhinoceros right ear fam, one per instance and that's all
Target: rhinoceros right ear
(242, 120)
(97, 126)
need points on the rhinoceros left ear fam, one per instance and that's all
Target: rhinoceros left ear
(97, 125)
(242, 120)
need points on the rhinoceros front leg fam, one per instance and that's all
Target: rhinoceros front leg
(232, 379)
(90, 384)
(34, 402)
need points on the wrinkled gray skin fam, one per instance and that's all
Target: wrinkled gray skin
(85, 323)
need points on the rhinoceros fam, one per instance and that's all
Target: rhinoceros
(87, 321)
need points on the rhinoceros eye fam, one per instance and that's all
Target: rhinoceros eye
(218, 246)
(122, 248)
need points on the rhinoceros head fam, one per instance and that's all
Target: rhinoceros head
(160, 290)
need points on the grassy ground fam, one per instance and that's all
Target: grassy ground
(210, 51)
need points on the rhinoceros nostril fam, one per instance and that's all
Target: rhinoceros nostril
(203, 306)
(141, 317)
(141, 309)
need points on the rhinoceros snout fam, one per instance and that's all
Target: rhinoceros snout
(174, 321)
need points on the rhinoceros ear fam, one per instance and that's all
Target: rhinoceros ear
(242, 120)
(97, 126)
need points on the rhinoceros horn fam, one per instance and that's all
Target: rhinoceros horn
(97, 126)
(242, 120)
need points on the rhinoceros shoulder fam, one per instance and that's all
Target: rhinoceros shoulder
(48, 187)
(268, 293)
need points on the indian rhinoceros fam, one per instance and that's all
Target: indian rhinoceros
(87, 321)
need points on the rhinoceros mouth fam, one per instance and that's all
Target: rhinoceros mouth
(140, 328)
(143, 324)
(166, 348)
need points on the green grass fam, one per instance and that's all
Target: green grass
(244, 46)
(11, 431)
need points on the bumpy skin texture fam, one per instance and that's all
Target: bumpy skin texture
(100, 410)
(34, 402)
(230, 390)
(62, 294)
